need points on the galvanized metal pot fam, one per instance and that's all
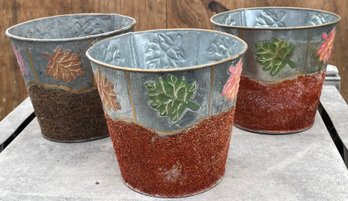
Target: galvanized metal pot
(169, 99)
(51, 55)
(284, 66)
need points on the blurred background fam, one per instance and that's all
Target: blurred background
(150, 14)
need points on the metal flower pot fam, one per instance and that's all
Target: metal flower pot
(284, 67)
(169, 99)
(51, 55)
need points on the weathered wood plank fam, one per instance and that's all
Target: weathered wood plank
(341, 44)
(337, 109)
(188, 13)
(12, 122)
(150, 14)
(26, 10)
(12, 89)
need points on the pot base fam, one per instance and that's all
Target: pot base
(179, 196)
(273, 132)
(74, 141)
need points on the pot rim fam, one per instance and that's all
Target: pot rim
(275, 28)
(12, 36)
(177, 69)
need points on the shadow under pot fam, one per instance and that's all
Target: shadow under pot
(284, 67)
(169, 100)
(51, 55)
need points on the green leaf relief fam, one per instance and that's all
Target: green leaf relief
(275, 55)
(171, 96)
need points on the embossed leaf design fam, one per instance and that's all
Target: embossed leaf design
(20, 61)
(91, 25)
(113, 55)
(318, 19)
(43, 31)
(230, 20)
(271, 19)
(230, 89)
(64, 65)
(275, 55)
(171, 96)
(165, 51)
(325, 49)
(219, 49)
(106, 92)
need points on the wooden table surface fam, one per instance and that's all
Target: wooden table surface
(303, 166)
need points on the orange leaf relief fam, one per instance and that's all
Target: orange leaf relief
(64, 65)
(107, 93)
(230, 89)
(325, 49)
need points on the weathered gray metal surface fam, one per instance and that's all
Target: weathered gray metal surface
(13, 120)
(301, 29)
(205, 60)
(304, 166)
(64, 39)
(337, 109)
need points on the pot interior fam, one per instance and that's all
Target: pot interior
(175, 49)
(274, 17)
(70, 26)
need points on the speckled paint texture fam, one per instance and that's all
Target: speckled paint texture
(187, 163)
(67, 117)
(283, 107)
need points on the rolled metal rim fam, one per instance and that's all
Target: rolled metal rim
(132, 24)
(194, 67)
(274, 28)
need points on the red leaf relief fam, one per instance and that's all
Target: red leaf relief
(20, 61)
(107, 93)
(325, 49)
(64, 65)
(230, 89)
